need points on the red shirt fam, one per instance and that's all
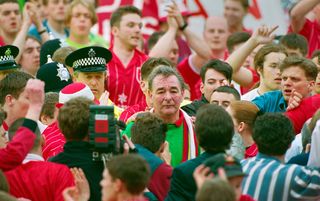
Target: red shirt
(251, 151)
(54, 141)
(127, 113)
(39, 180)
(159, 183)
(246, 198)
(17, 149)
(123, 82)
(191, 77)
(311, 30)
(301, 114)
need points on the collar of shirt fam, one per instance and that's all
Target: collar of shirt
(264, 156)
(32, 157)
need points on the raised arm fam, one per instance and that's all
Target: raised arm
(21, 144)
(242, 75)
(195, 42)
(163, 46)
(299, 12)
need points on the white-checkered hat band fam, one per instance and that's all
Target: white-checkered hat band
(89, 61)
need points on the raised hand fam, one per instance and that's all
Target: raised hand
(294, 100)
(201, 174)
(79, 192)
(264, 34)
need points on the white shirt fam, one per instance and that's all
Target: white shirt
(250, 95)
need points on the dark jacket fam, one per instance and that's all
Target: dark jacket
(192, 108)
(79, 154)
(183, 186)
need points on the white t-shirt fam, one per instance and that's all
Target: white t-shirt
(250, 95)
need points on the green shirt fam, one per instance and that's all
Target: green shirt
(174, 137)
(93, 40)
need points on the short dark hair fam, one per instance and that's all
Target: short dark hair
(121, 11)
(132, 170)
(237, 38)
(149, 131)
(13, 84)
(152, 63)
(229, 90)
(259, 58)
(295, 41)
(153, 39)
(50, 100)
(73, 118)
(273, 134)
(165, 71)
(217, 65)
(214, 128)
(310, 69)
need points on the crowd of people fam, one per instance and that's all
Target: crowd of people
(232, 115)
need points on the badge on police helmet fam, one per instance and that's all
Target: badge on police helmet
(63, 73)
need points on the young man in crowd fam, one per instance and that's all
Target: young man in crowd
(54, 24)
(30, 56)
(295, 44)
(149, 134)
(298, 76)
(234, 11)
(213, 74)
(268, 178)
(30, 99)
(224, 95)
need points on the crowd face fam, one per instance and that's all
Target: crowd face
(174, 53)
(294, 79)
(213, 80)
(317, 84)
(216, 33)
(30, 57)
(18, 107)
(166, 96)
(234, 12)
(222, 99)
(270, 74)
(108, 186)
(95, 81)
(10, 17)
(235, 182)
(129, 30)
(80, 23)
(56, 9)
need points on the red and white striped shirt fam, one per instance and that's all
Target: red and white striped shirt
(123, 82)
(54, 141)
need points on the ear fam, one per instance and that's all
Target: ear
(241, 126)
(9, 100)
(202, 87)
(149, 93)
(142, 85)
(42, 141)
(311, 85)
(45, 119)
(161, 149)
(260, 71)
(114, 30)
(119, 186)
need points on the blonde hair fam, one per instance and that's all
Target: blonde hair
(86, 4)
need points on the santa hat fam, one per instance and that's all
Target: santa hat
(74, 90)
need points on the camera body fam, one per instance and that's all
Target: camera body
(104, 132)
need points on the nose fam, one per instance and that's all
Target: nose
(167, 96)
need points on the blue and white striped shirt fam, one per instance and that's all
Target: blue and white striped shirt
(270, 180)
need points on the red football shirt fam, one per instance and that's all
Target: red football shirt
(54, 141)
(311, 30)
(38, 180)
(123, 82)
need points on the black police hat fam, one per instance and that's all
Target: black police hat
(89, 59)
(48, 48)
(7, 55)
(55, 76)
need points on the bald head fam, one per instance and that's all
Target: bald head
(216, 33)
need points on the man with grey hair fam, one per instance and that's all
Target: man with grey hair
(166, 91)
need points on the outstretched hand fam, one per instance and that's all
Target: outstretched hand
(264, 34)
(79, 192)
